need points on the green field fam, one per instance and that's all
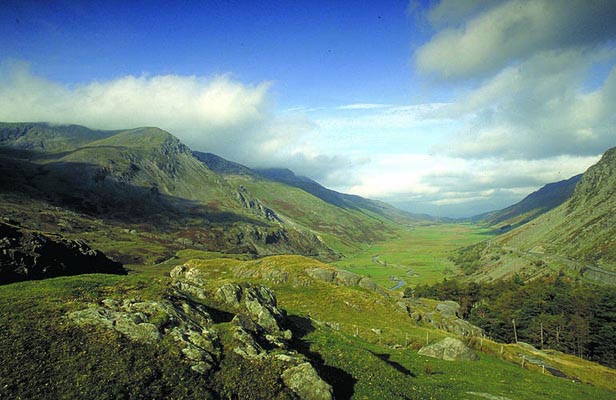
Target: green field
(419, 255)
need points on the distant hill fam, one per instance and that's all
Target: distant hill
(578, 237)
(74, 180)
(548, 197)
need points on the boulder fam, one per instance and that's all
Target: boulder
(258, 301)
(230, 294)
(304, 381)
(321, 274)
(448, 308)
(347, 278)
(449, 349)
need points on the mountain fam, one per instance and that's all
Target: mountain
(548, 197)
(145, 189)
(342, 200)
(204, 311)
(288, 177)
(577, 237)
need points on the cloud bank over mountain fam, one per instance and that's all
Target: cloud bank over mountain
(216, 114)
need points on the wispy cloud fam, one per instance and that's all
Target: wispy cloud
(364, 106)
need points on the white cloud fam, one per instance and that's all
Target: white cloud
(452, 186)
(539, 109)
(169, 101)
(216, 114)
(510, 31)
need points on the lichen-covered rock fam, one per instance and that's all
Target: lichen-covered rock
(321, 274)
(344, 278)
(306, 383)
(347, 278)
(230, 294)
(448, 308)
(259, 303)
(444, 315)
(449, 349)
(189, 280)
(186, 322)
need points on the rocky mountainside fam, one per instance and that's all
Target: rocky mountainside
(25, 255)
(548, 197)
(288, 177)
(145, 180)
(584, 227)
(578, 237)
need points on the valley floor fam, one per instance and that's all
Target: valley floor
(419, 255)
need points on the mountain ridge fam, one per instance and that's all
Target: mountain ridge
(536, 203)
(578, 237)
(146, 175)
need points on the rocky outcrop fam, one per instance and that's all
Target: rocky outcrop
(305, 382)
(248, 201)
(256, 330)
(344, 278)
(26, 254)
(444, 315)
(186, 322)
(449, 349)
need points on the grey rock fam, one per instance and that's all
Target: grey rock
(188, 274)
(448, 308)
(258, 302)
(26, 254)
(304, 381)
(184, 321)
(449, 349)
(347, 278)
(368, 284)
(321, 274)
(230, 294)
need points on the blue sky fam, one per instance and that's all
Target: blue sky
(446, 107)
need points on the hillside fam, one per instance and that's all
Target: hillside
(288, 177)
(282, 327)
(578, 237)
(342, 220)
(144, 188)
(546, 198)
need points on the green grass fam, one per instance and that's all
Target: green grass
(405, 374)
(339, 323)
(43, 356)
(344, 230)
(423, 250)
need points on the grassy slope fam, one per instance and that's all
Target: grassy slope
(344, 230)
(577, 235)
(120, 167)
(39, 348)
(535, 204)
